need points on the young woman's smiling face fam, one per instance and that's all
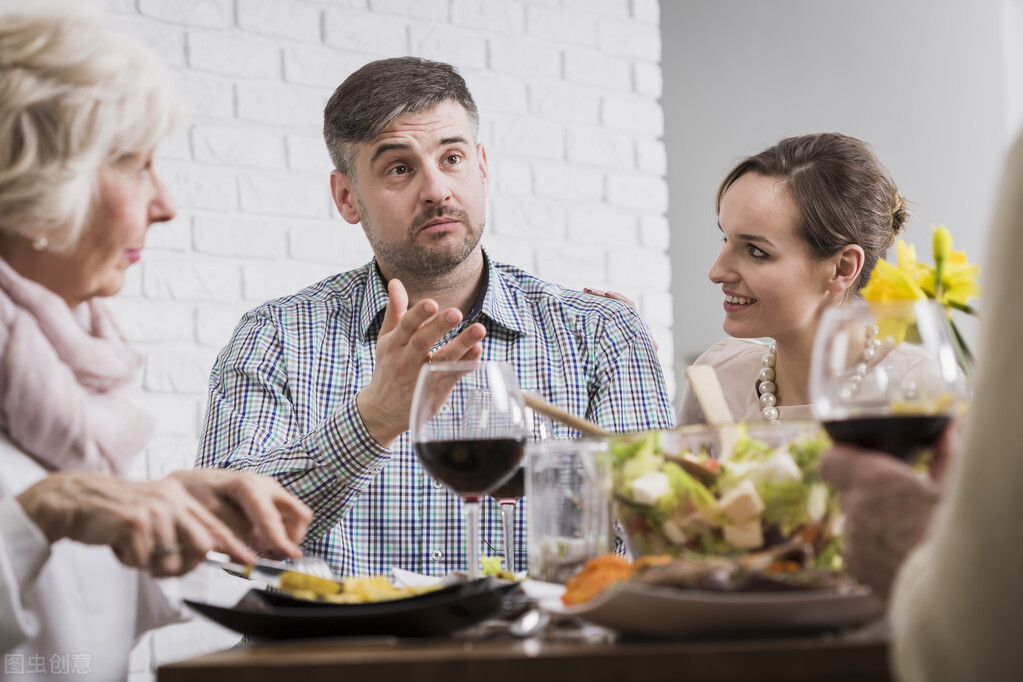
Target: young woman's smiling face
(772, 285)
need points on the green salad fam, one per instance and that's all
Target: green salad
(674, 500)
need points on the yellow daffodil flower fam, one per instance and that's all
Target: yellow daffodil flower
(952, 280)
(891, 283)
(941, 244)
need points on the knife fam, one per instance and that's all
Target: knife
(278, 574)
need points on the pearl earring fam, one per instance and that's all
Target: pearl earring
(40, 243)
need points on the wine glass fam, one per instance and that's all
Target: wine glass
(511, 491)
(468, 431)
(884, 375)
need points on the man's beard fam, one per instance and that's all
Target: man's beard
(418, 261)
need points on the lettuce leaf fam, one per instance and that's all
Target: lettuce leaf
(624, 448)
(689, 494)
(785, 504)
(807, 453)
(750, 449)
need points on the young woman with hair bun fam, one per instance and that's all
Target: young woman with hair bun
(803, 223)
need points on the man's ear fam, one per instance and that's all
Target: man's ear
(482, 154)
(846, 267)
(342, 188)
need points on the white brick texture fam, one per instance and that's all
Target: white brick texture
(568, 94)
(212, 13)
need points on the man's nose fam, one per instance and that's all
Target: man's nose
(436, 186)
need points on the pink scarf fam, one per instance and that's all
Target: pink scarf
(66, 376)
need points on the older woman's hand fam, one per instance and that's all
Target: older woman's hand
(254, 506)
(887, 509)
(615, 296)
(154, 525)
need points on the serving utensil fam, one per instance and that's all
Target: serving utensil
(584, 426)
(707, 389)
(538, 404)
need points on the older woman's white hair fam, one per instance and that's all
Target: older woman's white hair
(73, 96)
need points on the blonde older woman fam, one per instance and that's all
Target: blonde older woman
(81, 112)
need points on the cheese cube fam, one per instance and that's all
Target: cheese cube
(646, 489)
(741, 503)
(780, 468)
(817, 502)
(673, 531)
(745, 535)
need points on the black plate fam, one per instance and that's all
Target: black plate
(277, 616)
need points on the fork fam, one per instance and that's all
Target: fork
(313, 565)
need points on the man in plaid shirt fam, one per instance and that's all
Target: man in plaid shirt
(315, 388)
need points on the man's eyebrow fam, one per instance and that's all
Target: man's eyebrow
(384, 148)
(392, 146)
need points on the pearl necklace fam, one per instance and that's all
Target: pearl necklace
(767, 384)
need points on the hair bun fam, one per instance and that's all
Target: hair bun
(900, 214)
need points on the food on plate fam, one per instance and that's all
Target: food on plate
(493, 567)
(673, 498)
(786, 567)
(601, 572)
(348, 591)
(294, 582)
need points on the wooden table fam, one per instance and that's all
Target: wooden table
(847, 658)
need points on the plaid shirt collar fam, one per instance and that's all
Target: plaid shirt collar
(501, 304)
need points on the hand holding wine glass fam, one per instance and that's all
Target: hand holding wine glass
(468, 431)
(884, 375)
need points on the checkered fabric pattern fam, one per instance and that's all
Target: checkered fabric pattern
(282, 402)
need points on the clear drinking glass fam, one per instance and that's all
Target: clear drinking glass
(884, 375)
(468, 432)
(568, 494)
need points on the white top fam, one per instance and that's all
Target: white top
(957, 604)
(69, 608)
(737, 363)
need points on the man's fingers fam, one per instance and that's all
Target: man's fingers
(396, 305)
(465, 346)
(414, 322)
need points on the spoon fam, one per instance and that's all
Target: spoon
(530, 623)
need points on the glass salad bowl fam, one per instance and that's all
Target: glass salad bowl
(726, 491)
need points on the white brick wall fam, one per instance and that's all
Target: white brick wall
(568, 93)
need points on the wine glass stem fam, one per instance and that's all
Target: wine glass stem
(471, 511)
(508, 516)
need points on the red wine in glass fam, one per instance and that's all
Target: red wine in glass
(470, 468)
(512, 489)
(902, 436)
(467, 427)
(884, 375)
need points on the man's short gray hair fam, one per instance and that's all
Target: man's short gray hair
(74, 95)
(380, 91)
